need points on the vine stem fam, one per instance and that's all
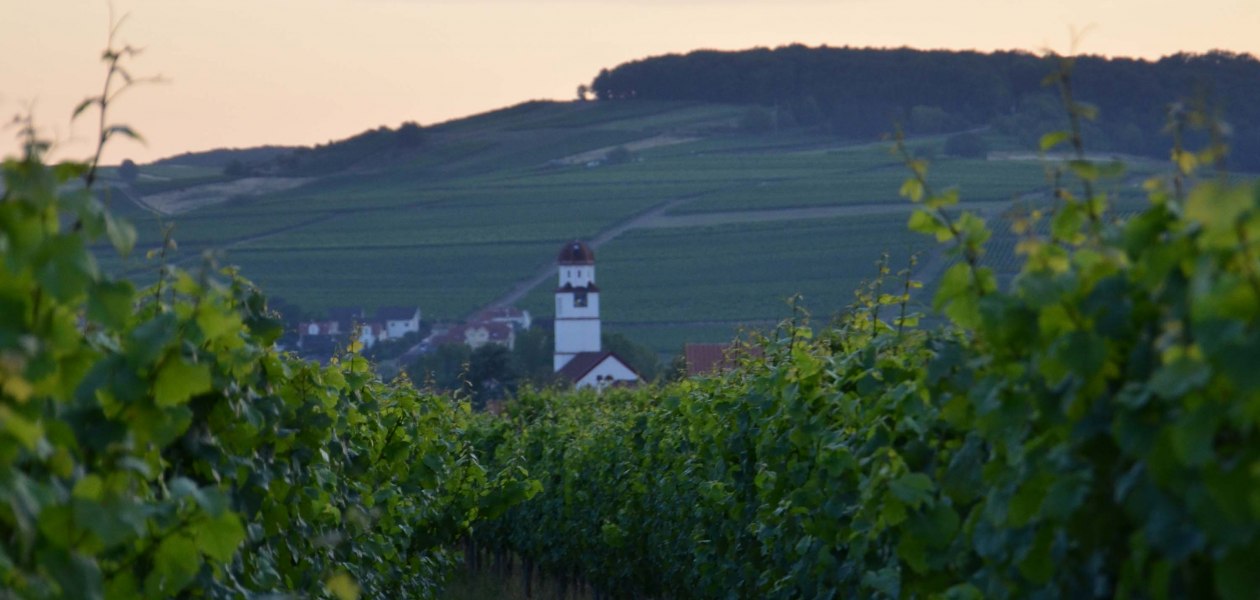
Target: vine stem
(112, 57)
(905, 297)
(167, 242)
(969, 254)
(1248, 257)
(1178, 118)
(1064, 79)
(882, 265)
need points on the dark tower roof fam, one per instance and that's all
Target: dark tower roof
(576, 253)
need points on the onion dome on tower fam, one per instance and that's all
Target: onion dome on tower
(576, 253)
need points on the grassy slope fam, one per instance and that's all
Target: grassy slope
(482, 206)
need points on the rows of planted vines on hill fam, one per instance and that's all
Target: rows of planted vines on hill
(153, 443)
(1088, 431)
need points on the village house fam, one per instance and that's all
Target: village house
(398, 321)
(491, 326)
(371, 333)
(511, 315)
(389, 323)
(475, 335)
(319, 328)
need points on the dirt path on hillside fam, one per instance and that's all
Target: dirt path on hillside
(635, 146)
(201, 196)
(129, 195)
(1062, 157)
(790, 214)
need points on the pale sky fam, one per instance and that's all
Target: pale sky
(252, 72)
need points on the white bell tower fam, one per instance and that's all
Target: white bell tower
(577, 303)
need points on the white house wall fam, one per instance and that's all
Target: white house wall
(366, 336)
(397, 329)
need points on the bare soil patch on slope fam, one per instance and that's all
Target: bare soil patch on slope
(636, 146)
(183, 200)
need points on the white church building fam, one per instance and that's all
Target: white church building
(578, 355)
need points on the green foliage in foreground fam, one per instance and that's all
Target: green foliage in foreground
(1089, 432)
(154, 444)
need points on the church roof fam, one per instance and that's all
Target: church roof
(576, 252)
(584, 362)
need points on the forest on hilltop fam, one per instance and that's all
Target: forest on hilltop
(864, 91)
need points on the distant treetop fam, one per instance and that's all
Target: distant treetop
(861, 92)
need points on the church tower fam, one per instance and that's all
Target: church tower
(577, 304)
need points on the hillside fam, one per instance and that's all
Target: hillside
(858, 91)
(708, 221)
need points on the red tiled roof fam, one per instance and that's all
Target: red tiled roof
(454, 335)
(705, 359)
(497, 331)
(502, 312)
